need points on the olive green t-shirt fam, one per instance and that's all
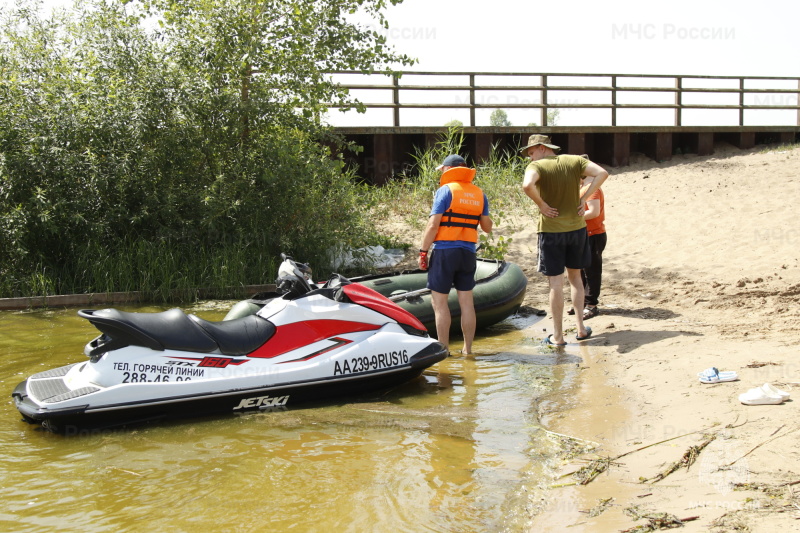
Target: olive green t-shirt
(559, 185)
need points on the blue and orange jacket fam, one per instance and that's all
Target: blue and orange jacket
(460, 221)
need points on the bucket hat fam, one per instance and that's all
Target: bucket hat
(537, 139)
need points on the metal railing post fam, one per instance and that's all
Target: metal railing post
(678, 100)
(741, 101)
(544, 101)
(472, 99)
(396, 99)
(613, 100)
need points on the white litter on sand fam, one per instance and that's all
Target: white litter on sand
(368, 257)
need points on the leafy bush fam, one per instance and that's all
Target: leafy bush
(163, 144)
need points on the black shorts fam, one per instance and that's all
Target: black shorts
(569, 249)
(451, 267)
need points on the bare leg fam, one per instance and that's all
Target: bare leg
(465, 300)
(442, 313)
(577, 293)
(557, 306)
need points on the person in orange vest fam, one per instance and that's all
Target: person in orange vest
(449, 245)
(592, 275)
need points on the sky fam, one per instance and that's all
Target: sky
(674, 37)
(731, 37)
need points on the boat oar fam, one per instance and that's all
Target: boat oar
(410, 296)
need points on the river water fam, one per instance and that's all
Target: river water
(458, 449)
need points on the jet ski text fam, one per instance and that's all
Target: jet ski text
(262, 402)
(375, 362)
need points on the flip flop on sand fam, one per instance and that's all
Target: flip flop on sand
(588, 334)
(549, 340)
(760, 397)
(712, 375)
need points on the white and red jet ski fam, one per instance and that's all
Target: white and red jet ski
(304, 344)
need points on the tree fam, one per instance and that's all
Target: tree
(552, 118)
(499, 118)
(181, 125)
(455, 123)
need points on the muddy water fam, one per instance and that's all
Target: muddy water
(458, 449)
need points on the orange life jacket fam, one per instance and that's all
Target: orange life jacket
(460, 221)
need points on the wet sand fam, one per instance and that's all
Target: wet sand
(701, 270)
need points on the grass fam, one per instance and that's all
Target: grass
(169, 271)
(407, 197)
(163, 271)
(779, 148)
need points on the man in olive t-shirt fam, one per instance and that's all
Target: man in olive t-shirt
(553, 182)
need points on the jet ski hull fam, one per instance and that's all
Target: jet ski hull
(175, 405)
(308, 346)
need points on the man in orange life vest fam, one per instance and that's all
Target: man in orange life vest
(459, 208)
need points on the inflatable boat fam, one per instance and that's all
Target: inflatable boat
(499, 291)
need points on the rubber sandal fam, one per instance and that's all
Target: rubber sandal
(759, 397)
(588, 334)
(571, 311)
(710, 372)
(549, 340)
(590, 312)
(769, 389)
(712, 375)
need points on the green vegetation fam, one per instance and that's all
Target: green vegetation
(408, 197)
(785, 147)
(167, 145)
(499, 118)
(552, 118)
(159, 145)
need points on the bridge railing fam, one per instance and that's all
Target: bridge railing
(544, 93)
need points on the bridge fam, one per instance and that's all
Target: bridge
(610, 115)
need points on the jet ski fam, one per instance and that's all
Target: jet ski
(306, 343)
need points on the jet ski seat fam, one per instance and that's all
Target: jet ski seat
(240, 336)
(175, 330)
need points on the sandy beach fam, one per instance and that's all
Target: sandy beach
(701, 270)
